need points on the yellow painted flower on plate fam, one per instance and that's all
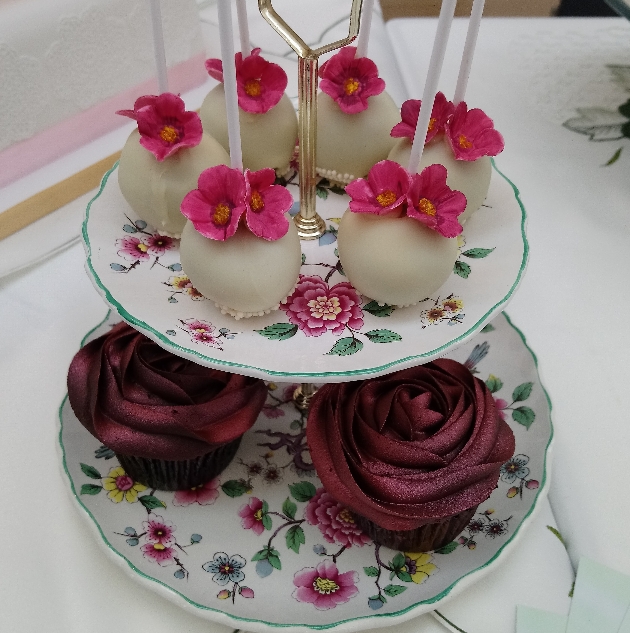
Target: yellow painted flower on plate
(419, 566)
(121, 486)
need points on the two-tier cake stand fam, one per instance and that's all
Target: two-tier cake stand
(234, 570)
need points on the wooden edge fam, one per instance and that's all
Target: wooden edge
(41, 204)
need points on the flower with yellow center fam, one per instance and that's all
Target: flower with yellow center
(169, 134)
(454, 304)
(221, 215)
(325, 585)
(385, 198)
(325, 308)
(257, 203)
(142, 247)
(121, 486)
(252, 87)
(435, 314)
(180, 282)
(432, 122)
(419, 566)
(346, 516)
(351, 85)
(427, 207)
(464, 143)
(258, 515)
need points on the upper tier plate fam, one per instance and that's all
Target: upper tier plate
(143, 282)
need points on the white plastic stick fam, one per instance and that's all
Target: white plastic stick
(226, 36)
(364, 32)
(430, 87)
(243, 27)
(469, 50)
(158, 46)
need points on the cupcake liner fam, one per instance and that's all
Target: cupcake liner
(425, 538)
(179, 475)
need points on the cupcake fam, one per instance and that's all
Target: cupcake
(173, 424)
(411, 454)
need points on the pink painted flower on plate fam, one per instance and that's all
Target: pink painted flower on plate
(323, 586)
(158, 530)
(334, 521)
(164, 124)
(217, 205)
(159, 244)
(471, 134)
(350, 80)
(252, 515)
(440, 114)
(133, 249)
(202, 332)
(384, 190)
(431, 201)
(158, 553)
(260, 84)
(272, 411)
(266, 204)
(315, 308)
(204, 495)
(500, 405)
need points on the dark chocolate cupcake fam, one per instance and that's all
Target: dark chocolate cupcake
(411, 454)
(173, 424)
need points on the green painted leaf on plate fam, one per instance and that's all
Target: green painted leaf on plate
(90, 471)
(302, 491)
(295, 538)
(462, 269)
(289, 508)
(235, 487)
(447, 549)
(522, 392)
(614, 158)
(274, 559)
(394, 590)
(477, 253)
(278, 331)
(488, 328)
(372, 572)
(90, 489)
(524, 416)
(383, 336)
(266, 521)
(377, 310)
(493, 383)
(346, 346)
(150, 502)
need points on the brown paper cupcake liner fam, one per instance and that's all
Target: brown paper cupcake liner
(179, 475)
(425, 538)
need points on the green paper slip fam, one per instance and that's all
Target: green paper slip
(600, 599)
(530, 620)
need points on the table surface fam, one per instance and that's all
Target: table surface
(532, 76)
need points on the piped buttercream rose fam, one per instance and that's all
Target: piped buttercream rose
(410, 448)
(141, 400)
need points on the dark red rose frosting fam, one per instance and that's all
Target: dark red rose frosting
(410, 448)
(141, 400)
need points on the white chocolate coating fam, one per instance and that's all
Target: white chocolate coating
(397, 261)
(267, 139)
(348, 145)
(245, 275)
(154, 189)
(472, 178)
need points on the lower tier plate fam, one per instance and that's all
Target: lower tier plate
(140, 276)
(241, 545)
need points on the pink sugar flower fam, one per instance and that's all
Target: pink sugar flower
(266, 204)
(471, 134)
(260, 84)
(217, 205)
(252, 515)
(334, 521)
(133, 249)
(315, 308)
(431, 201)
(158, 553)
(350, 81)
(164, 124)
(158, 530)
(384, 190)
(440, 114)
(204, 495)
(159, 244)
(323, 586)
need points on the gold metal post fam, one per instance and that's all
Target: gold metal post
(309, 224)
(303, 394)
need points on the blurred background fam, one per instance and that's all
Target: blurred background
(407, 8)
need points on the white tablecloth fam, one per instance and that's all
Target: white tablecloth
(530, 75)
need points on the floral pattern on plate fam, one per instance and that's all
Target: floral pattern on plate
(265, 529)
